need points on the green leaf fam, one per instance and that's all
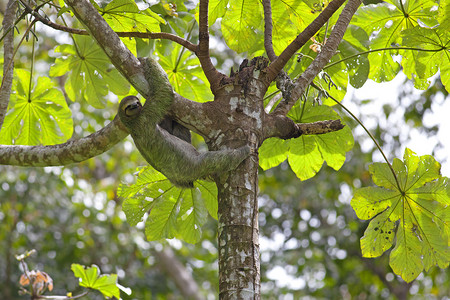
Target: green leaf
(370, 201)
(192, 216)
(172, 212)
(239, 24)
(273, 152)
(91, 278)
(405, 259)
(216, 9)
(308, 153)
(186, 75)
(283, 31)
(124, 15)
(91, 75)
(435, 56)
(417, 199)
(355, 41)
(378, 236)
(386, 22)
(208, 191)
(38, 113)
(162, 221)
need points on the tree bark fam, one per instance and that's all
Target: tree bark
(238, 236)
(8, 64)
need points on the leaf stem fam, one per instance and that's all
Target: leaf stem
(368, 133)
(381, 49)
(30, 84)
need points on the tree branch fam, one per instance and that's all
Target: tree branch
(97, 143)
(8, 53)
(277, 65)
(160, 35)
(144, 35)
(322, 58)
(121, 57)
(268, 30)
(211, 72)
(70, 152)
(284, 128)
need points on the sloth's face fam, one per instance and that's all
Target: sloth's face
(130, 106)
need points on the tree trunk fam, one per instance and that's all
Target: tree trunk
(239, 265)
(238, 234)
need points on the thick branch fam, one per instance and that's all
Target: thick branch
(8, 64)
(302, 38)
(284, 128)
(322, 59)
(268, 30)
(211, 72)
(70, 152)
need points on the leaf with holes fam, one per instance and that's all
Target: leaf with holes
(411, 205)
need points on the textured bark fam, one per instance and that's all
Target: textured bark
(122, 58)
(239, 265)
(302, 38)
(8, 64)
(322, 58)
(63, 154)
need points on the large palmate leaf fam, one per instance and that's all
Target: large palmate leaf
(186, 75)
(410, 210)
(38, 113)
(91, 75)
(172, 212)
(386, 21)
(125, 16)
(306, 154)
(355, 41)
(436, 54)
(239, 24)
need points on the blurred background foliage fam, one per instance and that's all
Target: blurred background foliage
(309, 233)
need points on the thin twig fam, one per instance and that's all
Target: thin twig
(365, 129)
(133, 34)
(268, 28)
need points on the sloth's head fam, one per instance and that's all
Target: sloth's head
(130, 107)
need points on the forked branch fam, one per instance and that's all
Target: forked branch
(322, 58)
(277, 65)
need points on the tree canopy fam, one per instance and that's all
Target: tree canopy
(290, 63)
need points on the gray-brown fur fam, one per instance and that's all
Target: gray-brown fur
(177, 159)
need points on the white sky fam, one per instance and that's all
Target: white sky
(388, 92)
